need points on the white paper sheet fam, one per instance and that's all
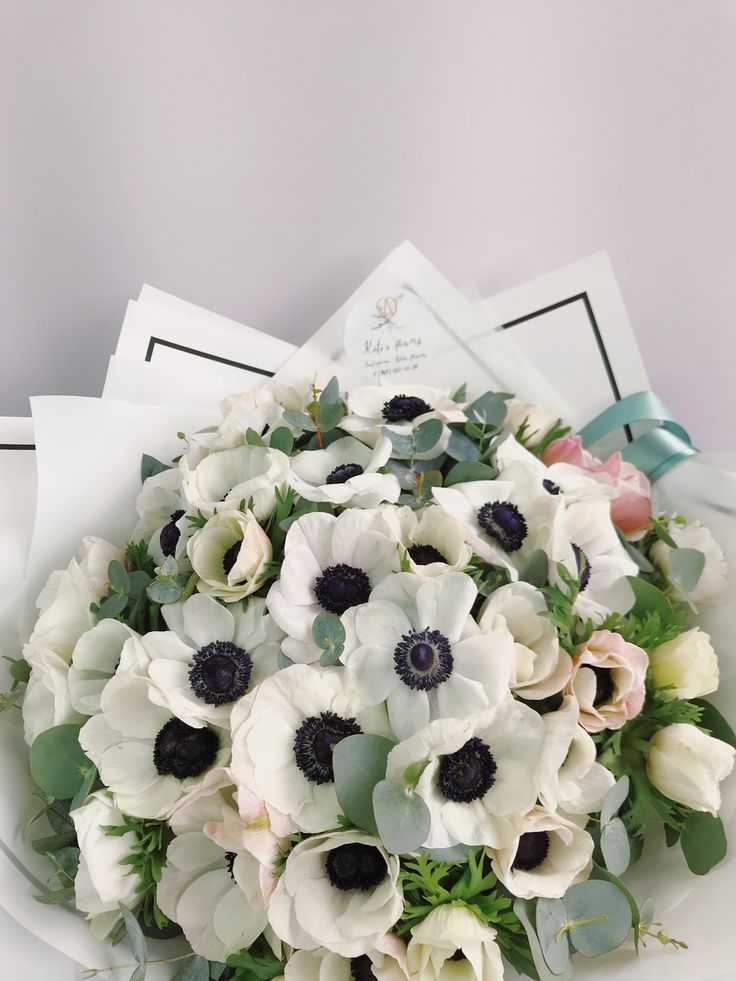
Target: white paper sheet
(17, 501)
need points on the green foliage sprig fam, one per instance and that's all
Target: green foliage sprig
(146, 860)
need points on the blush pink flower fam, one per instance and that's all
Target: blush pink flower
(569, 449)
(608, 681)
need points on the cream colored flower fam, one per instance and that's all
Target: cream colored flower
(713, 578)
(687, 766)
(686, 666)
(230, 476)
(230, 555)
(433, 949)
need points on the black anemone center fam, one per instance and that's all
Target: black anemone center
(170, 534)
(603, 684)
(355, 866)
(230, 862)
(220, 672)
(583, 566)
(424, 554)
(404, 408)
(344, 472)
(361, 968)
(423, 659)
(231, 557)
(340, 587)
(458, 956)
(183, 751)
(532, 851)
(505, 523)
(550, 486)
(315, 742)
(469, 773)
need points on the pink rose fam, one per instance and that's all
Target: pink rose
(569, 449)
(608, 681)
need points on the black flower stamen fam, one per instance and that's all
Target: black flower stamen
(170, 534)
(315, 742)
(231, 557)
(550, 486)
(425, 554)
(469, 773)
(583, 566)
(532, 851)
(603, 684)
(344, 473)
(230, 862)
(505, 523)
(361, 968)
(403, 408)
(423, 659)
(340, 587)
(183, 751)
(220, 672)
(355, 866)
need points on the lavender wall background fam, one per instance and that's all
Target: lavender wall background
(259, 158)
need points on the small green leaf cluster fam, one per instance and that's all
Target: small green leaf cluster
(259, 963)
(146, 860)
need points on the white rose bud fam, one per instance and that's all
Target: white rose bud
(433, 949)
(536, 420)
(688, 664)
(230, 555)
(687, 766)
(713, 579)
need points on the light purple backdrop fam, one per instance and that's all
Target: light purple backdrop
(261, 158)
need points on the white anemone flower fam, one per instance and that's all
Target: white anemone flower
(284, 734)
(241, 474)
(714, 577)
(563, 479)
(209, 658)
(585, 541)
(477, 775)
(95, 659)
(433, 542)
(345, 474)
(102, 882)
(548, 855)
(540, 666)
(401, 409)
(338, 891)
(386, 964)
(330, 565)
(230, 554)
(47, 699)
(162, 521)
(447, 930)
(571, 781)
(146, 757)
(416, 647)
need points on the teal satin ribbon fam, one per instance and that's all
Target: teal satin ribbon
(658, 449)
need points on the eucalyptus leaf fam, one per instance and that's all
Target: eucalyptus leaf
(661, 532)
(150, 466)
(427, 434)
(714, 722)
(138, 582)
(401, 443)
(535, 569)
(614, 799)
(252, 438)
(649, 599)
(461, 447)
(196, 968)
(402, 817)
(615, 846)
(328, 631)
(58, 763)
(329, 415)
(282, 661)
(686, 568)
(633, 552)
(646, 912)
(281, 439)
(138, 945)
(331, 392)
(118, 576)
(523, 909)
(331, 656)
(113, 606)
(57, 897)
(600, 916)
(489, 409)
(164, 591)
(359, 763)
(88, 782)
(456, 853)
(550, 919)
(20, 670)
(300, 420)
(703, 842)
(468, 470)
(217, 969)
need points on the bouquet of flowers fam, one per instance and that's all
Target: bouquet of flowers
(390, 683)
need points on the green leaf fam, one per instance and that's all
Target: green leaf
(648, 599)
(58, 763)
(88, 782)
(662, 533)
(551, 918)
(112, 606)
(300, 420)
(20, 670)
(359, 762)
(461, 394)
(633, 552)
(118, 576)
(429, 479)
(427, 434)
(328, 631)
(461, 447)
(138, 582)
(58, 897)
(400, 442)
(489, 409)
(194, 969)
(164, 591)
(468, 470)
(599, 917)
(703, 842)
(523, 909)
(614, 799)
(686, 568)
(252, 438)
(138, 945)
(599, 872)
(139, 973)
(53, 843)
(402, 817)
(615, 846)
(282, 661)
(331, 392)
(712, 720)
(535, 569)
(150, 466)
(281, 439)
(329, 415)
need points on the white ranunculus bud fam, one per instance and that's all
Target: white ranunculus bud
(713, 579)
(688, 664)
(433, 949)
(231, 476)
(687, 766)
(230, 555)
(536, 420)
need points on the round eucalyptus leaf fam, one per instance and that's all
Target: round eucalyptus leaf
(461, 447)
(703, 842)
(601, 916)
(551, 919)
(402, 817)
(614, 799)
(112, 606)
(535, 569)
(615, 846)
(58, 763)
(359, 763)
(328, 631)
(686, 568)
(118, 576)
(164, 591)
(427, 434)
